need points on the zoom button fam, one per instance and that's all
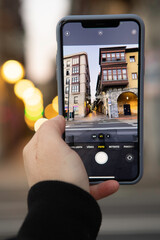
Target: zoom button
(101, 136)
(107, 135)
(94, 136)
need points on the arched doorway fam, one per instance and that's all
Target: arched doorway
(127, 104)
(100, 107)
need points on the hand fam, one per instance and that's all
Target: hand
(48, 157)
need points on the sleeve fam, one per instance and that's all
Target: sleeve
(59, 210)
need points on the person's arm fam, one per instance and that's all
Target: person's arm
(59, 210)
(60, 205)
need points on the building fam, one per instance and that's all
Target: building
(117, 83)
(77, 84)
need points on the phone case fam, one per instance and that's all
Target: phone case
(141, 46)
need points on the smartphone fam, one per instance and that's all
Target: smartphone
(100, 69)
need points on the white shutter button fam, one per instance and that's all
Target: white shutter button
(101, 157)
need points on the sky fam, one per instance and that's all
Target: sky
(93, 59)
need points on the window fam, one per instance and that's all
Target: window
(118, 55)
(132, 58)
(67, 72)
(75, 60)
(75, 69)
(67, 80)
(113, 56)
(103, 57)
(109, 74)
(104, 72)
(115, 77)
(122, 56)
(104, 75)
(75, 99)
(134, 76)
(114, 74)
(67, 90)
(75, 79)
(119, 74)
(119, 77)
(108, 57)
(68, 64)
(124, 72)
(75, 88)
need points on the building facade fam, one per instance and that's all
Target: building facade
(117, 83)
(77, 84)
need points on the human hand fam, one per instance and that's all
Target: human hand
(48, 157)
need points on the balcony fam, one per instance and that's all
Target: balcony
(114, 83)
(113, 61)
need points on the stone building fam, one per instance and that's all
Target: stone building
(77, 84)
(117, 83)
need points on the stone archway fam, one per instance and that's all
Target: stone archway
(127, 103)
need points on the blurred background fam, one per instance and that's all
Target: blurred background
(28, 51)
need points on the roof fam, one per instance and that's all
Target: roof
(74, 55)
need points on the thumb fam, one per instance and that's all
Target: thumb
(58, 124)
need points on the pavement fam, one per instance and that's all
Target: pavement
(133, 213)
(96, 116)
(99, 120)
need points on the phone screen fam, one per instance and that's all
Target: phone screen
(101, 97)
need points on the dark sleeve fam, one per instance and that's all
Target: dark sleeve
(59, 210)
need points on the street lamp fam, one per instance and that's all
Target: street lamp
(68, 98)
(12, 71)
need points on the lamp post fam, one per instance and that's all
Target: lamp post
(68, 99)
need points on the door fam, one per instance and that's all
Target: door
(127, 109)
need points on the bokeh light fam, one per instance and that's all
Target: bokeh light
(33, 116)
(33, 98)
(38, 123)
(12, 71)
(29, 123)
(35, 112)
(55, 104)
(33, 101)
(49, 112)
(21, 88)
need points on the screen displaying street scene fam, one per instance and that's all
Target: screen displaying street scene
(101, 90)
